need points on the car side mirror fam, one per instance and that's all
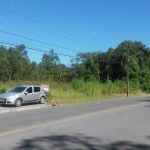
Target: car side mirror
(26, 92)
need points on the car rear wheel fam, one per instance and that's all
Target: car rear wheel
(42, 100)
(18, 102)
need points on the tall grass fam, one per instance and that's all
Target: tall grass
(78, 90)
(91, 88)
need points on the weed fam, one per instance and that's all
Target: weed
(78, 90)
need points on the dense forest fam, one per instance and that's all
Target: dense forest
(109, 66)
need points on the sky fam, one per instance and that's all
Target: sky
(72, 26)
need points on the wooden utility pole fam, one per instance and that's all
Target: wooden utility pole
(98, 69)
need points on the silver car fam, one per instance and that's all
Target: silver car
(23, 94)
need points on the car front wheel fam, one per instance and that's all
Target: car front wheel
(18, 102)
(42, 100)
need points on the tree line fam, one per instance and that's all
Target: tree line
(111, 65)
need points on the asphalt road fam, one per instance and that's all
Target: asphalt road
(110, 125)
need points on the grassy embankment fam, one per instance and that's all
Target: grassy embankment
(78, 90)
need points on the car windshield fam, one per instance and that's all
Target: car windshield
(18, 89)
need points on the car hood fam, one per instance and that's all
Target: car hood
(7, 94)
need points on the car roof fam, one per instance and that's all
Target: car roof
(27, 85)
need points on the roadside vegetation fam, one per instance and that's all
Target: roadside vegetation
(79, 91)
(90, 76)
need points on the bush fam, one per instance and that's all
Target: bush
(134, 85)
(145, 86)
(48, 96)
(3, 90)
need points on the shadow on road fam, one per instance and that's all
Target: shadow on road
(145, 100)
(77, 142)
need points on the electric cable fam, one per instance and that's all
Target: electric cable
(44, 24)
(32, 48)
(37, 41)
(42, 35)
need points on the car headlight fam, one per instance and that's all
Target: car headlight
(11, 97)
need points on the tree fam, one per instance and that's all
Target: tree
(34, 71)
(49, 65)
(84, 66)
(20, 63)
(5, 68)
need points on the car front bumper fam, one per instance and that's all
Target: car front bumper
(5, 101)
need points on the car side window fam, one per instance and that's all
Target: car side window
(29, 90)
(36, 89)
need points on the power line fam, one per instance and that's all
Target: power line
(51, 21)
(41, 50)
(26, 43)
(42, 35)
(78, 14)
(37, 22)
(37, 41)
(32, 48)
(88, 14)
(46, 25)
(34, 45)
(108, 25)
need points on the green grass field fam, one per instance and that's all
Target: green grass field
(79, 91)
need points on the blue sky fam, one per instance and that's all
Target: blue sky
(72, 26)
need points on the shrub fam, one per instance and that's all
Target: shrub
(134, 85)
(3, 90)
(48, 96)
(145, 86)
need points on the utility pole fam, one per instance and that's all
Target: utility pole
(108, 74)
(128, 72)
(98, 69)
